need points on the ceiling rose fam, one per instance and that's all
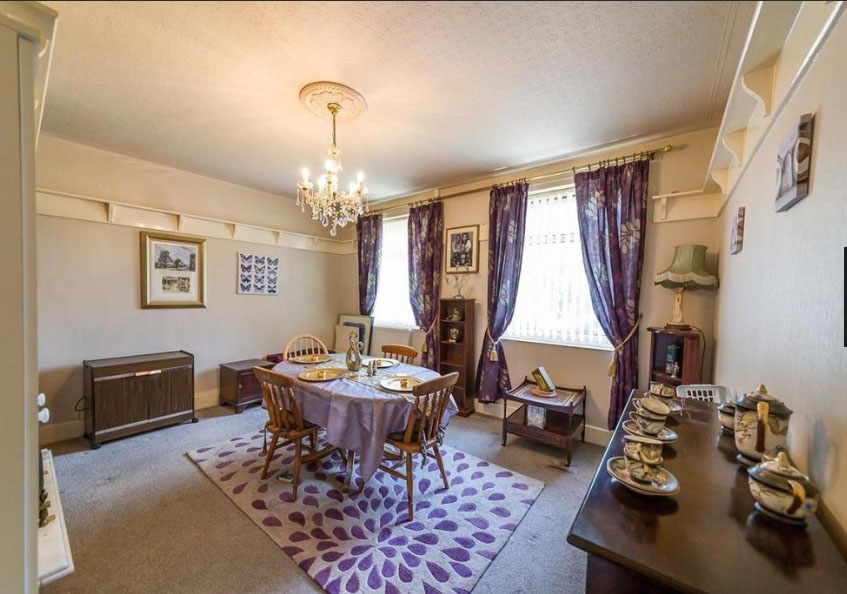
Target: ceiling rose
(317, 96)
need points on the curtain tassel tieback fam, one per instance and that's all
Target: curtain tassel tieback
(424, 348)
(492, 352)
(613, 365)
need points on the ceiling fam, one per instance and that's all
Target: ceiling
(455, 90)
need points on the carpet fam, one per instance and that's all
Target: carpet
(361, 542)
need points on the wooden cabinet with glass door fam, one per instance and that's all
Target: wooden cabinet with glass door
(456, 336)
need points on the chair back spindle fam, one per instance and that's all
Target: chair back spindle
(401, 352)
(304, 344)
(431, 399)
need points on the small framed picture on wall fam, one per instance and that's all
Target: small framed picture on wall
(462, 250)
(794, 164)
(737, 241)
(173, 270)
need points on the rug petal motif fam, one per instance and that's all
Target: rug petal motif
(361, 541)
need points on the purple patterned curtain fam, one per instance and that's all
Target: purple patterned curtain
(506, 226)
(426, 230)
(369, 234)
(612, 209)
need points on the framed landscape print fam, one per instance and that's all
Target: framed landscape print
(173, 270)
(257, 274)
(794, 163)
(462, 250)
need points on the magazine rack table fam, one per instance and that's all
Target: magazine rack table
(565, 415)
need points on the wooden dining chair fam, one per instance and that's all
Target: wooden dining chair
(286, 422)
(304, 344)
(401, 352)
(421, 432)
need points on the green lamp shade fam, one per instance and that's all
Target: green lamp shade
(687, 270)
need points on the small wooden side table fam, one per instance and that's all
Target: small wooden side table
(565, 415)
(239, 386)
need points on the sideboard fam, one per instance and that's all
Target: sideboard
(128, 395)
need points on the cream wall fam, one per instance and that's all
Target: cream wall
(780, 309)
(88, 278)
(678, 170)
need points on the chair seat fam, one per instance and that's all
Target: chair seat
(308, 427)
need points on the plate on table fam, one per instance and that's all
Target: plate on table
(666, 435)
(322, 375)
(381, 362)
(400, 383)
(306, 359)
(664, 485)
(543, 393)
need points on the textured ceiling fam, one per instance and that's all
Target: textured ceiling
(455, 90)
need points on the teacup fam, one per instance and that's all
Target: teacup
(643, 449)
(648, 425)
(642, 472)
(652, 407)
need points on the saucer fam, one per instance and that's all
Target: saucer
(664, 485)
(665, 435)
(672, 404)
(745, 460)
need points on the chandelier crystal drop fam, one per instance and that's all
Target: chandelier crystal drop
(329, 204)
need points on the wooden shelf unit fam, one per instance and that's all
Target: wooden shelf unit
(688, 341)
(458, 356)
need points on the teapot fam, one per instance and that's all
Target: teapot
(781, 491)
(354, 353)
(761, 425)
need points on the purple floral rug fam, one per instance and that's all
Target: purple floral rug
(361, 541)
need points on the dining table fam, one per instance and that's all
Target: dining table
(355, 411)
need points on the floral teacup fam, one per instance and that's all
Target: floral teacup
(643, 449)
(650, 425)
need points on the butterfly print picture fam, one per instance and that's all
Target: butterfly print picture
(257, 275)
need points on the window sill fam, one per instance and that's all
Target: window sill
(573, 345)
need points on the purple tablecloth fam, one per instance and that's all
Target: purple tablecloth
(357, 416)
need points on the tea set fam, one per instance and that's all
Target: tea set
(758, 422)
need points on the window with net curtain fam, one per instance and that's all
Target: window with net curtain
(392, 307)
(553, 303)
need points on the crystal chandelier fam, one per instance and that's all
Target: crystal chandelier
(330, 205)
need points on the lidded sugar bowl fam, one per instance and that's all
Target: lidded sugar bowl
(761, 424)
(781, 491)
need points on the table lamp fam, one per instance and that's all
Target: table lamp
(687, 271)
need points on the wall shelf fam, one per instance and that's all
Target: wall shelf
(100, 210)
(782, 43)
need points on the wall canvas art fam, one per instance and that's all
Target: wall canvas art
(257, 274)
(737, 241)
(793, 164)
(173, 270)
(462, 250)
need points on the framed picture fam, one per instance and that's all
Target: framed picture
(257, 274)
(737, 241)
(462, 250)
(173, 270)
(794, 163)
(363, 325)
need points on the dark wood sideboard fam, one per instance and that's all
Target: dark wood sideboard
(708, 537)
(239, 386)
(459, 355)
(129, 395)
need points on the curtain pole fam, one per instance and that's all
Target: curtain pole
(587, 167)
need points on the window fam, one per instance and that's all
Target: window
(553, 303)
(392, 307)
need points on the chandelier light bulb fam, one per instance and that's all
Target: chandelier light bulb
(360, 176)
(305, 173)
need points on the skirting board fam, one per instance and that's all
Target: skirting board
(53, 432)
(595, 435)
